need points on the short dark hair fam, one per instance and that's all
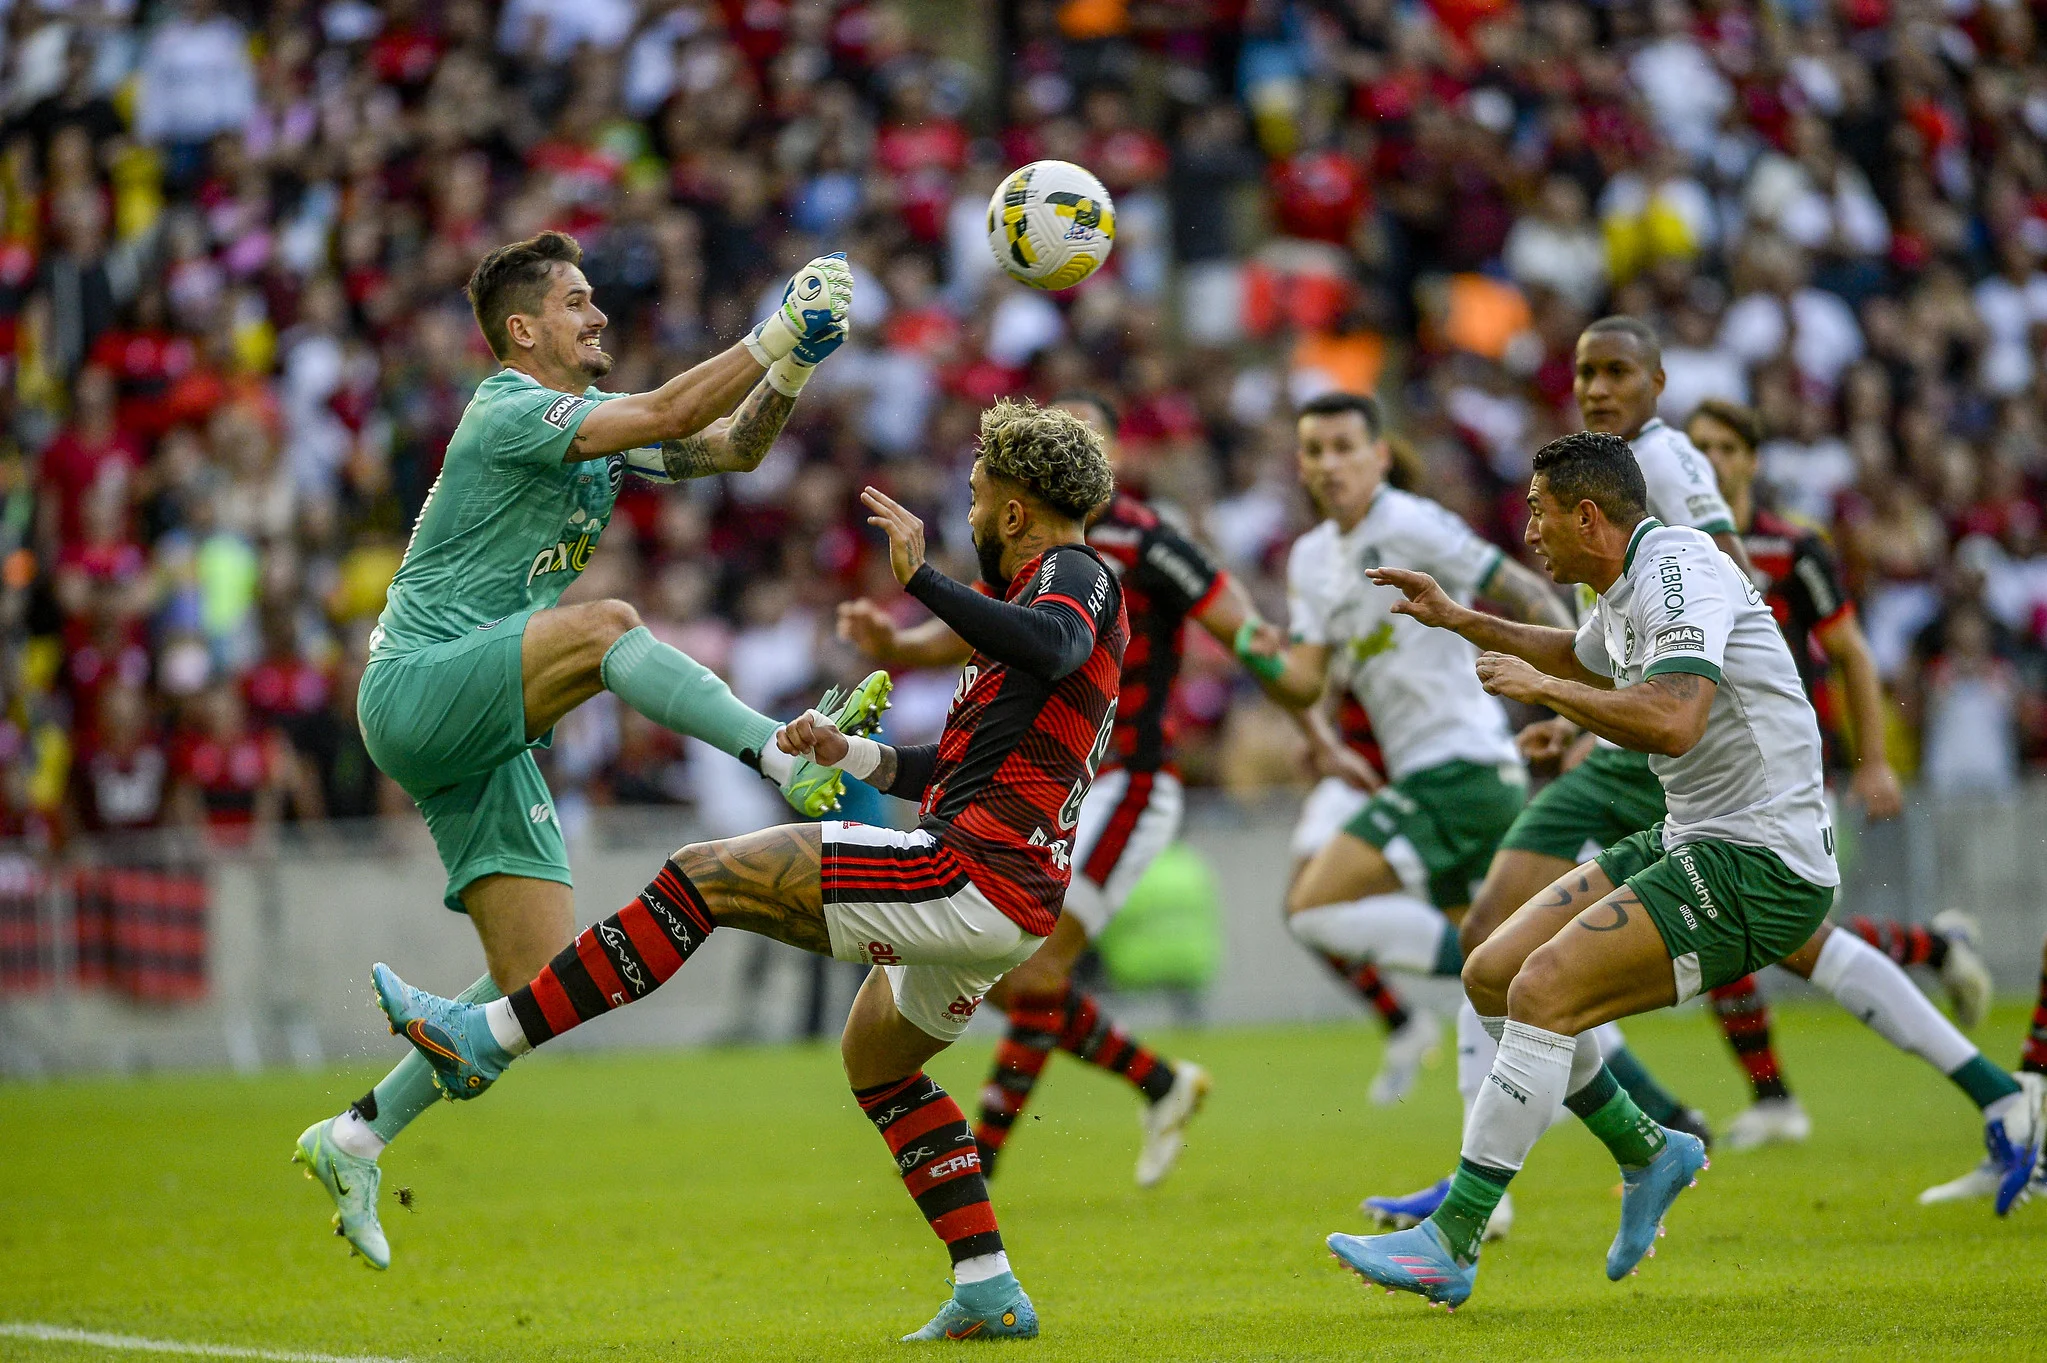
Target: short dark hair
(515, 278)
(1336, 403)
(1053, 455)
(1636, 330)
(1592, 466)
(1096, 399)
(1742, 420)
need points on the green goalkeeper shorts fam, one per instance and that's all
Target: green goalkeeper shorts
(1595, 804)
(448, 724)
(1724, 909)
(1437, 828)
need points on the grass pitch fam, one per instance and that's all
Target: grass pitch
(734, 1205)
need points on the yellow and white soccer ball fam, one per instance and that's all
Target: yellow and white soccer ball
(1051, 224)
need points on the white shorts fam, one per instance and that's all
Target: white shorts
(1126, 820)
(1330, 805)
(902, 902)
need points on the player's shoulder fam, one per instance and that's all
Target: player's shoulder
(1119, 532)
(513, 399)
(1406, 514)
(1683, 543)
(1313, 549)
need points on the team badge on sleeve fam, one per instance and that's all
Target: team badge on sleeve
(563, 410)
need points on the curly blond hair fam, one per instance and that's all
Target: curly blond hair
(1053, 455)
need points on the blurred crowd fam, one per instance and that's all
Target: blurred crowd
(233, 239)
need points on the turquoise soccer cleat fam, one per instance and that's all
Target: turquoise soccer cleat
(994, 1309)
(352, 1183)
(814, 791)
(1416, 1260)
(454, 1037)
(1646, 1194)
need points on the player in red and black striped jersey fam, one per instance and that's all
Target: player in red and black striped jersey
(1131, 815)
(942, 911)
(1796, 571)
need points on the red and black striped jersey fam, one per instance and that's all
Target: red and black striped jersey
(1804, 592)
(1166, 578)
(1019, 752)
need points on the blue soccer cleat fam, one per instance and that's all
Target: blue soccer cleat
(1398, 1213)
(351, 1182)
(994, 1309)
(1415, 1260)
(2014, 1144)
(1646, 1194)
(454, 1037)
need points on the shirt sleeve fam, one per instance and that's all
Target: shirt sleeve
(1048, 631)
(1682, 488)
(1453, 553)
(1173, 569)
(1307, 619)
(1685, 622)
(1812, 588)
(535, 425)
(1590, 646)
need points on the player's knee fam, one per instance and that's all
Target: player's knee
(1544, 993)
(1488, 973)
(1479, 920)
(610, 618)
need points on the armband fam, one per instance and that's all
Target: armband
(1265, 666)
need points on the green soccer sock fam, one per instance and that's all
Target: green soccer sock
(678, 692)
(1475, 1189)
(1622, 1127)
(408, 1089)
(1658, 1102)
(1984, 1082)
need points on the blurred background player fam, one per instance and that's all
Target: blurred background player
(941, 912)
(473, 662)
(1131, 814)
(1796, 571)
(1387, 889)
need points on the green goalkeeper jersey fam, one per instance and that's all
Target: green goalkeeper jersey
(508, 525)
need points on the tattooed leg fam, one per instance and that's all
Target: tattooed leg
(1610, 963)
(1490, 970)
(767, 882)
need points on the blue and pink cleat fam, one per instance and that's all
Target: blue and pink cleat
(1416, 1260)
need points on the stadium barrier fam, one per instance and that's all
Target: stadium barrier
(100, 954)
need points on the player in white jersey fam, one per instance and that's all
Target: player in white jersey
(1682, 660)
(1380, 890)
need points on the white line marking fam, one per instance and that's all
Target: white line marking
(58, 1334)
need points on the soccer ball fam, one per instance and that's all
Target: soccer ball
(1051, 224)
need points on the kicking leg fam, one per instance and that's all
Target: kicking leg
(1875, 989)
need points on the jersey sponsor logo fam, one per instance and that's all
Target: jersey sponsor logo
(1099, 597)
(962, 1006)
(562, 411)
(614, 472)
(1680, 639)
(883, 953)
(1701, 506)
(566, 555)
(1373, 644)
(1670, 580)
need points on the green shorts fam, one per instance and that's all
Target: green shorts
(1724, 909)
(1438, 827)
(448, 723)
(1595, 804)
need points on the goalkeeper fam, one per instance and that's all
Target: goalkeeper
(473, 663)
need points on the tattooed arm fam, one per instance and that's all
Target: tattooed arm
(1517, 590)
(679, 408)
(733, 444)
(1664, 714)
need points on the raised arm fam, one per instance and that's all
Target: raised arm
(734, 444)
(1547, 647)
(680, 408)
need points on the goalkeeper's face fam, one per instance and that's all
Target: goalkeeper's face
(570, 331)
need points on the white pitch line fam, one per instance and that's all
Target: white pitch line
(58, 1334)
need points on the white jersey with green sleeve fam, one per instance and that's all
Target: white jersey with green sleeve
(1417, 684)
(508, 525)
(1680, 605)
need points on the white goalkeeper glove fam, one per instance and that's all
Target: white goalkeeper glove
(809, 325)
